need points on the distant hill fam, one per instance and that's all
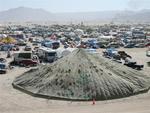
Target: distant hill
(87, 16)
(24, 14)
(30, 14)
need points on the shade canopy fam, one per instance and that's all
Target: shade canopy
(83, 76)
(8, 40)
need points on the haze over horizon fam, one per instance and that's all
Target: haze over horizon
(60, 6)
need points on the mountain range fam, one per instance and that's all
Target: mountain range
(24, 14)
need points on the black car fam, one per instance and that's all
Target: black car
(130, 45)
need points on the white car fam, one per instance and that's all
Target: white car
(148, 53)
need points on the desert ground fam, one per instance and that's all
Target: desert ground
(15, 101)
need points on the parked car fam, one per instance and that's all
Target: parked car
(3, 68)
(35, 44)
(128, 61)
(114, 45)
(15, 48)
(102, 46)
(30, 39)
(140, 45)
(110, 52)
(148, 53)
(134, 65)
(27, 48)
(28, 62)
(147, 44)
(36, 48)
(2, 60)
(21, 43)
(55, 45)
(148, 63)
(130, 45)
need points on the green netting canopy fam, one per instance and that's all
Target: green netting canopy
(83, 76)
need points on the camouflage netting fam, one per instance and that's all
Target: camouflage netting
(83, 76)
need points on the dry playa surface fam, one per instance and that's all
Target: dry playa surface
(15, 101)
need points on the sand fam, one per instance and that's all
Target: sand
(14, 101)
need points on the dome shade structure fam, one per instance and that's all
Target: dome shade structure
(83, 76)
(8, 40)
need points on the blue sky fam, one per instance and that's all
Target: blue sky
(76, 5)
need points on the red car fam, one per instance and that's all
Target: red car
(148, 44)
(28, 62)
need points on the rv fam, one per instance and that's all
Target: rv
(47, 54)
(26, 59)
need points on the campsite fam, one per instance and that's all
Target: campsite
(80, 71)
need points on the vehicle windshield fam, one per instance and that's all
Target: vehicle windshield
(25, 55)
(52, 54)
(2, 66)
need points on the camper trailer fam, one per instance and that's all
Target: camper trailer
(47, 54)
(26, 59)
